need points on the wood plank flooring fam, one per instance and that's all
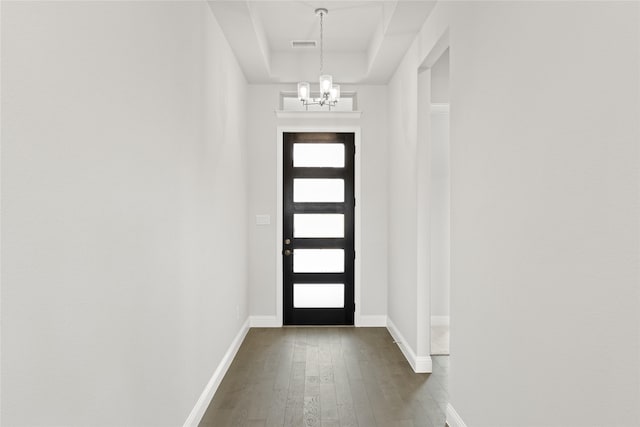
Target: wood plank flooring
(327, 377)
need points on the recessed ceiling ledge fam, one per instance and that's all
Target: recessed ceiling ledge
(324, 115)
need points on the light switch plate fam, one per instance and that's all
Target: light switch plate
(263, 219)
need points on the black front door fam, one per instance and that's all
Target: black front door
(318, 228)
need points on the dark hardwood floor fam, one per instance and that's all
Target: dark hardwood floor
(327, 377)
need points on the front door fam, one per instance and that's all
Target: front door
(318, 226)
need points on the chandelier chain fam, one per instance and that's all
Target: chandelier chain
(321, 43)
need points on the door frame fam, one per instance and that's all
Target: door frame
(281, 130)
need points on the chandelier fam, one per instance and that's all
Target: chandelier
(329, 93)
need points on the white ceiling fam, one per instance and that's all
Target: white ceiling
(363, 40)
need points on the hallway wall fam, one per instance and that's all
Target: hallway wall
(124, 201)
(545, 308)
(262, 183)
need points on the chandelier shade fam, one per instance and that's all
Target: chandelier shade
(304, 89)
(335, 93)
(326, 82)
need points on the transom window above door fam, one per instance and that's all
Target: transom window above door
(289, 102)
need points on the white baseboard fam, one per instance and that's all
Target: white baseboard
(371, 321)
(453, 419)
(264, 322)
(420, 364)
(439, 320)
(205, 398)
(365, 321)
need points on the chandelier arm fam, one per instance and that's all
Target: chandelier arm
(320, 101)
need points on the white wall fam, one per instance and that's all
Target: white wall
(545, 312)
(403, 242)
(262, 186)
(124, 210)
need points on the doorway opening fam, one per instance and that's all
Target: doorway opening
(439, 206)
(433, 201)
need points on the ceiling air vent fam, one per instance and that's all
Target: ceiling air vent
(303, 44)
